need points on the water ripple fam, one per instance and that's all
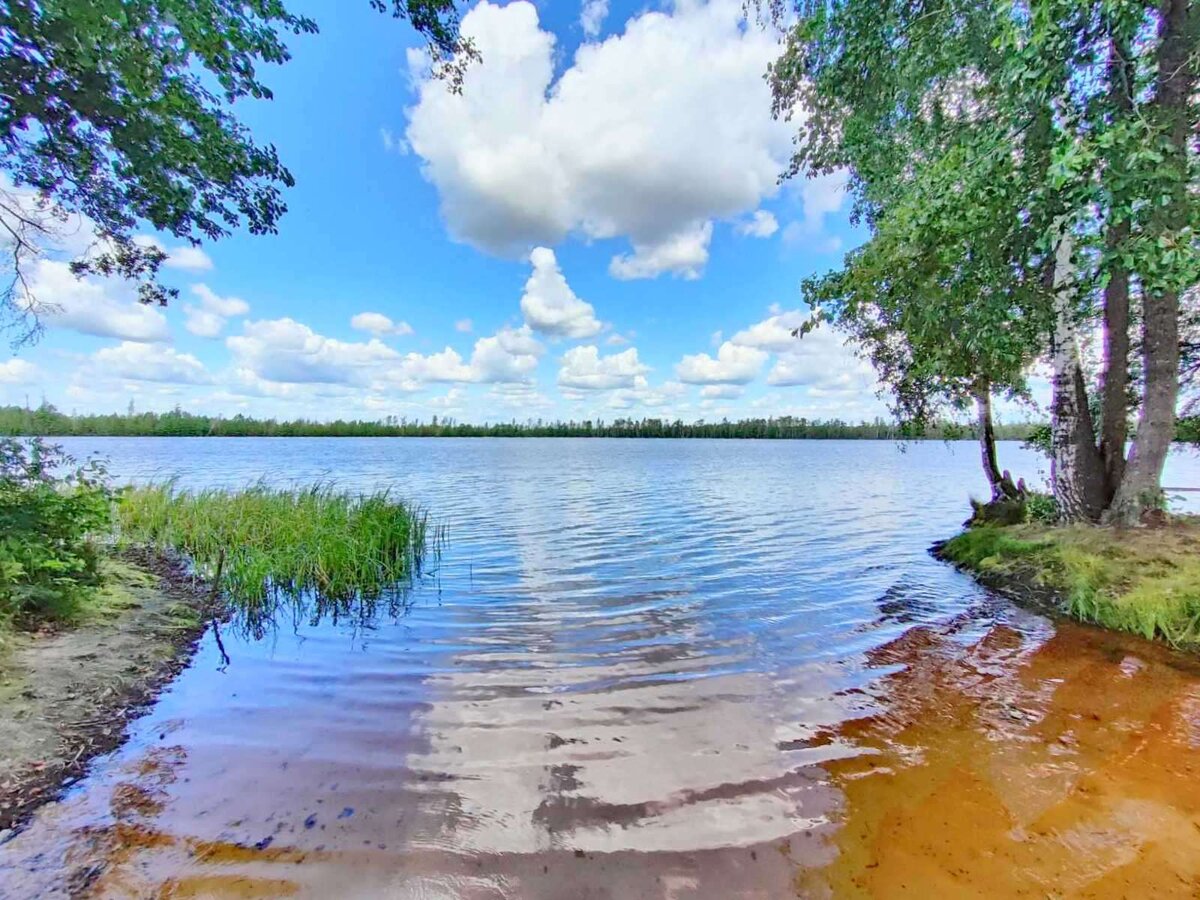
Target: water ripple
(628, 646)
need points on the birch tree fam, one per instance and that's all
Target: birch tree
(1095, 102)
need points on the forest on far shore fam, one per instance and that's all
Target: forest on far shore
(47, 421)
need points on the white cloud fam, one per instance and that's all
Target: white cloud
(520, 159)
(190, 259)
(519, 396)
(616, 340)
(18, 371)
(733, 364)
(592, 16)
(822, 195)
(762, 224)
(284, 350)
(209, 318)
(222, 306)
(550, 306)
(822, 363)
(583, 368)
(774, 333)
(379, 324)
(466, 326)
(451, 401)
(185, 256)
(820, 359)
(683, 254)
(721, 391)
(642, 394)
(148, 362)
(105, 308)
(510, 355)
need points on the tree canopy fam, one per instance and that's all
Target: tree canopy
(120, 111)
(1029, 174)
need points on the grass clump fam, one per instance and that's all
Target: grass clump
(1145, 581)
(264, 542)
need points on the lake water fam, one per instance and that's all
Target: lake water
(662, 669)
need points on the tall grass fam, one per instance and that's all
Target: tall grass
(1142, 580)
(265, 543)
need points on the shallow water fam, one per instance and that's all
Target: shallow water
(667, 669)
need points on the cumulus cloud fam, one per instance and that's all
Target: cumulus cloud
(733, 364)
(18, 371)
(451, 401)
(520, 159)
(190, 259)
(149, 362)
(592, 16)
(519, 396)
(721, 391)
(510, 355)
(762, 224)
(643, 394)
(185, 256)
(105, 308)
(208, 318)
(683, 254)
(820, 359)
(285, 350)
(773, 333)
(550, 306)
(379, 324)
(583, 368)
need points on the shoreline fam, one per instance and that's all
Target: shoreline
(1142, 581)
(1022, 588)
(69, 695)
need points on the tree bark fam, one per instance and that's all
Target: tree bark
(1141, 486)
(1114, 404)
(1000, 482)
(1076, 472)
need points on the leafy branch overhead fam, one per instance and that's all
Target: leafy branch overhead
(119, 112)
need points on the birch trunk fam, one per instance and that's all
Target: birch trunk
(1075, 467)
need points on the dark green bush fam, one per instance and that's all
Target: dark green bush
(51, 512)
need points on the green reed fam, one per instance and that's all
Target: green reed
(260, 542)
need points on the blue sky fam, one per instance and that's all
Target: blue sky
(592, 230)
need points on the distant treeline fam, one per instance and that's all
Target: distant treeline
(47, 421)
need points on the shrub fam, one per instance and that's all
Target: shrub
(1041, 507)
(51, 511)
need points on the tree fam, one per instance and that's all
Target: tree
(119, 111)
(1093, 104)
(934, 305)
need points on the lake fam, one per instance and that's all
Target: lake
(668, 669)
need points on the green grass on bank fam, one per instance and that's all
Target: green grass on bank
(1142, 580)
(333, 544)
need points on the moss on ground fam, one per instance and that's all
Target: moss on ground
(1143, 580)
